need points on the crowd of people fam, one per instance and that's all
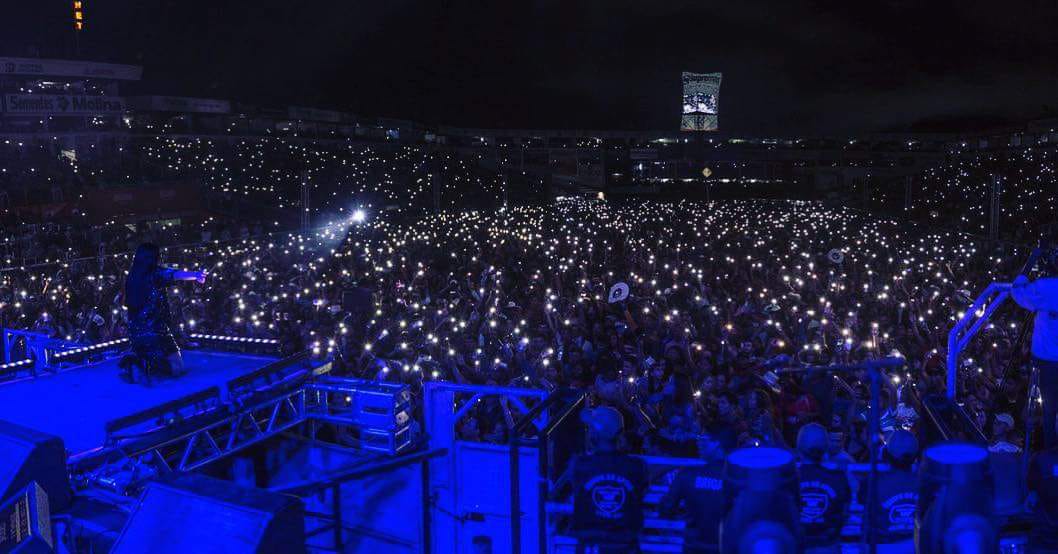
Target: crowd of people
(716, 292)
(266, 172)
(272, 170)
(519, 296)
(719, 295)
(958, 192)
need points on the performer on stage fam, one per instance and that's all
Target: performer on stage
(1041, 296)
(149, 320)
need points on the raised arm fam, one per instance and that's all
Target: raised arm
(178, 275)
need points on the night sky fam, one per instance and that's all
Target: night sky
(790, 67)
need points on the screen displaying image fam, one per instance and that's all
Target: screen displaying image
(701, 98)
(699, 103)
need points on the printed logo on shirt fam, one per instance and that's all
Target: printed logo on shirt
(815, 500)
(708, 483)
(609, 492)
(901, 510)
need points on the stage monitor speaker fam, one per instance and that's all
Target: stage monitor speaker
(764, 513)
(193, 513)
(25, 523)
(27, 455)
(955, 511)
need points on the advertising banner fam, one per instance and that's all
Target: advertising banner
(69, 68)
(314, 114)
(179, 104)
(62, 104)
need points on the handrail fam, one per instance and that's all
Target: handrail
(162, 410)
(514, 469)
(957, 340)
(573, 400)
(39, 346)
(578, 397)
(334, 481)
(514, 391)
(246, 382)
(305, 488)
(532, 414)
(844, 385)
(922, 407)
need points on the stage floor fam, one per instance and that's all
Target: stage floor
(76, 403)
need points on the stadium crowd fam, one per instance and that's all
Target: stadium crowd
(254, 170)
(720, 293)
(520, 297)
(957, 193)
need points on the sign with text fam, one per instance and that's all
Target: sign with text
(69, 68)
(62, 104)
(314, 114)
(179, 104)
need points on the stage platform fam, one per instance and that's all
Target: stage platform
(76, 403)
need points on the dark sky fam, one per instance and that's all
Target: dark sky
(790, 66)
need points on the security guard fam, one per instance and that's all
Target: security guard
(824, 491)
(1043, 489)
(700, 491)
(608, 489)
(894, 509)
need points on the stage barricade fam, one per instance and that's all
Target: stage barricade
(471, 486)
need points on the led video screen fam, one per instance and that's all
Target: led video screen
(701, 101)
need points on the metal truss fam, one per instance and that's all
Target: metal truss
(229, 435)
(129, 461)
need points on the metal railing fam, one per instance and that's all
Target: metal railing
(959, 337)
(334, 481)
(566, 402)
